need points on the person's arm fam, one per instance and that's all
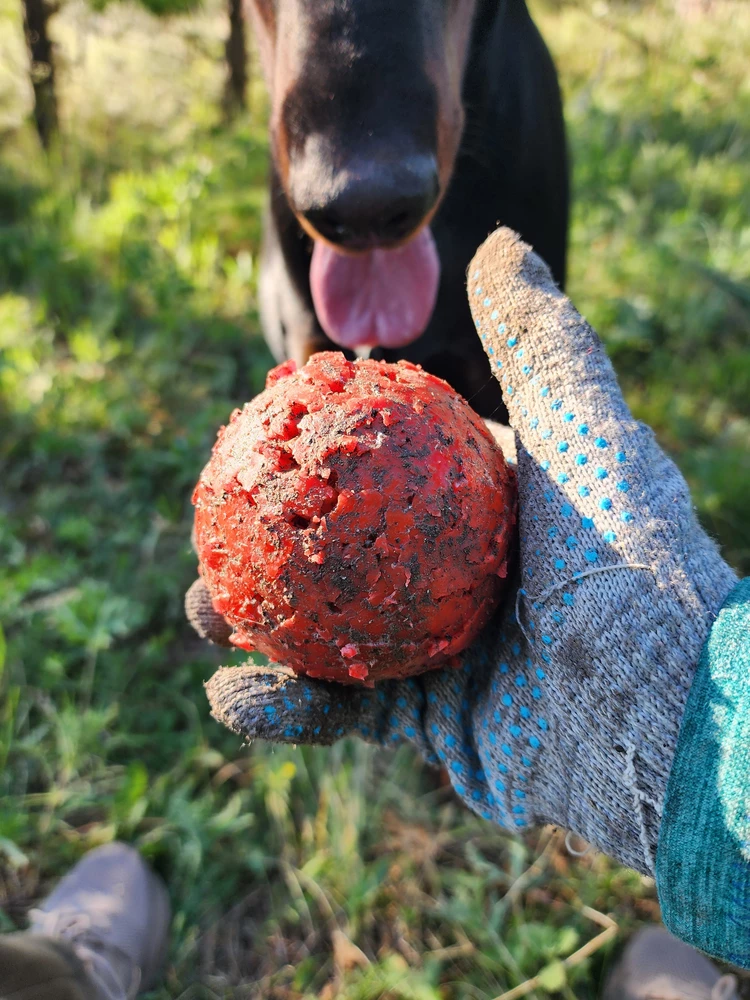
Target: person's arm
(570, 707)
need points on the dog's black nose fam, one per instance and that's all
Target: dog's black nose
(372, 205)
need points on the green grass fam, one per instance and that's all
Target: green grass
(128, 332)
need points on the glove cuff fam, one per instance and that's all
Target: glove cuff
(703, 857)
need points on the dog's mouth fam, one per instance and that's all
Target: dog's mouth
(377, 298)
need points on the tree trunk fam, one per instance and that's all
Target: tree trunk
(236, 58)
(36, 15)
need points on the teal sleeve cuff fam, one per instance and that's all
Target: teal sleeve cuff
(703, 856)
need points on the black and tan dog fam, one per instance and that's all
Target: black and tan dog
(402, 133)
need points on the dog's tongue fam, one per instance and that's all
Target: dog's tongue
(381, 298)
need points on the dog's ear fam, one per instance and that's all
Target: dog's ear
(262, 15)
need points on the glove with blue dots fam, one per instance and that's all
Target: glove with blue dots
(568, 707)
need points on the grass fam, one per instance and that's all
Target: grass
(128, 332)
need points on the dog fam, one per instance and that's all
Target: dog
(402, 132)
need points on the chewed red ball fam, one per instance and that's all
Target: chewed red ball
(354, 520)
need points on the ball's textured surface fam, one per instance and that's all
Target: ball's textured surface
(354, 520)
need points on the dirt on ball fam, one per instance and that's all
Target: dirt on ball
(354, 520)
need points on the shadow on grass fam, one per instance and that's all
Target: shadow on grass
(127, 336)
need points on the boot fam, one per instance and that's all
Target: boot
(656, 966)
(39, 968)
(113, 913)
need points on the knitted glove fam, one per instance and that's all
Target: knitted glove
(568, 708)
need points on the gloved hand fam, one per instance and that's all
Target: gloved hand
(568, 708)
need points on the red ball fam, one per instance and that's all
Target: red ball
(354, 520)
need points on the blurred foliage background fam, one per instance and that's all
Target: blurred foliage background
(128, 332)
